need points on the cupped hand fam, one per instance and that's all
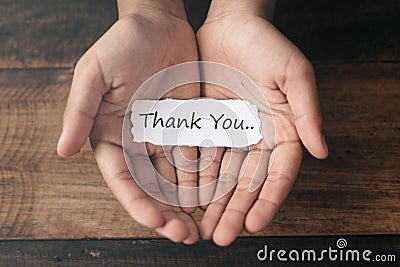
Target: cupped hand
(286, 79)
(106, 77)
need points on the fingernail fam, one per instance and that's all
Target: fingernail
(254, 185)
(324, 144)
(60, 141)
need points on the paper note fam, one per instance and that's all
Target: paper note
(200, 122)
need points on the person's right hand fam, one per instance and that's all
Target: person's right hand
(137, 46)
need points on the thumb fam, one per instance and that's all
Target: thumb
(301, 91)
(86, 93)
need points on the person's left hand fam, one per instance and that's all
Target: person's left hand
(286, 79)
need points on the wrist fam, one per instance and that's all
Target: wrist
(262, 8)
(171, 7)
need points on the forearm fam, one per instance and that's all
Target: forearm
(172, 7)
(262, 8)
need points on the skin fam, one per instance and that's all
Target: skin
(152, 35)
(148, 37)
(237, 35)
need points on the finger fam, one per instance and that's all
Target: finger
(166, 172)
(210, 158)
(258, 173)
(230, 169)
(193, 230)
(86, 93)
(179, 226)
(112, 164)
(301, 90)
(279, 182)
(185, 157)
(212, 215)
(209, 165)
(185, 161)
(254, 168)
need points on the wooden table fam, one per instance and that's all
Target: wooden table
(355, 48)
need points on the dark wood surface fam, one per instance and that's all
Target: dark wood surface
(341, 31)
(160, 252)
(355, 48)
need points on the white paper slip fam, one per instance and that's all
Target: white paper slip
(199, 122)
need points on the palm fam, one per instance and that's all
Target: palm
(253, 46)
(106, 77)
(132, 51)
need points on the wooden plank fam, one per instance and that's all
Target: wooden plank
(160, 252)
(355, 191)
(360, 105)
(342, 31)
(47, 33)
(42, 195)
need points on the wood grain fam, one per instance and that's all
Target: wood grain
(41, 194)
(48, 33)
(160, 252)
(342, 31)
(355, 191)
